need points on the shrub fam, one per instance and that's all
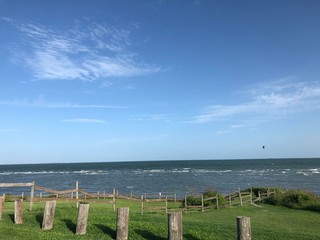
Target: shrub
(296, 199)
(213, 193)
(195, 200)
(192, 201)
(256, 190)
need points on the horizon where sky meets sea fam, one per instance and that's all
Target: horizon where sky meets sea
(117, 80)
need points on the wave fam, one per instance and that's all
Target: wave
(84, 172)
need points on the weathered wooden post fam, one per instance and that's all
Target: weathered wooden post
(122, 223)
(243, 228)
(77, 193)
(175, 226)
(18, 204)
(217, 199)
(141, 204)
(166, 205)
(1, 206)
(31, 195)
(82, 221)
(202, 204)
(48, 215)
(186, 204)
(114, 199)
(240, 197)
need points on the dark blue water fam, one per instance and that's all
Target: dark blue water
(180, 177)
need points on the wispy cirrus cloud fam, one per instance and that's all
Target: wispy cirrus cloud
(151, 117)
(268, 100)
(41, 102)
(8, 130)
(85, 53)
(84, 120)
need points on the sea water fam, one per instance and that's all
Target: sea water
(180, 177)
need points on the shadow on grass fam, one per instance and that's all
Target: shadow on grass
(39, 218)
(190, 237)
(107, 230)
(148, 235)
(11, 216)
(70, 225)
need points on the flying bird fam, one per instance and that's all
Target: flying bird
(263, 147)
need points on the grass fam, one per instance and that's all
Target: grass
(267, 222)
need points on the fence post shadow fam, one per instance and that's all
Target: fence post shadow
(70, 225)
(190, 237)
(39, 219)
(107, 230)
(11, 216)
(148, 235)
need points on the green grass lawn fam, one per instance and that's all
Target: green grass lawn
(267, 222)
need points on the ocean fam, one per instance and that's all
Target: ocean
(180, 177)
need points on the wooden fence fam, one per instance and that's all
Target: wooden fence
(238, 198)
(149, 202)
(153, 204)
(70, 195)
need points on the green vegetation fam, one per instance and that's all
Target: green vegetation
(195, 200)
(268, 222)
(296, 199)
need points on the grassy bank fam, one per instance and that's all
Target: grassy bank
(268, 222)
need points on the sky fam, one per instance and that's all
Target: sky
(116, 80)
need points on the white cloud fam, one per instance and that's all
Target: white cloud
(151, 117)
(41, 102)
(8, 130)
(88, 53)
(136, 139)
(270, 100)
(84, 120)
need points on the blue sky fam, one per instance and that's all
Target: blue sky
(84, 81)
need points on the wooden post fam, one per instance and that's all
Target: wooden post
(202, 204)
(141, 204)
(1, 206)
(230, 200)
(22, 195)
(166, 205)
(104, 194)
(98, 193)
(186, 204)
(31, 196)
(82, 221)
(240, 197)
(18, 204)
(122, 223)
(131, 194)
(175, 226)
(175, 197)
(114, 199)
(217, 197)
(71, 195)
(251, 195)
(48, 215)
(77, 193)
(243, 228)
